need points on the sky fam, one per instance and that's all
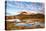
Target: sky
(13, 7)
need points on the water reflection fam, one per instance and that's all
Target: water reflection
(23, 24)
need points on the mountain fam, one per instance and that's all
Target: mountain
(26, 15)
(23, 15)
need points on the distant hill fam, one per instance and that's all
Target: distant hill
(30, 16)
(24, 15)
